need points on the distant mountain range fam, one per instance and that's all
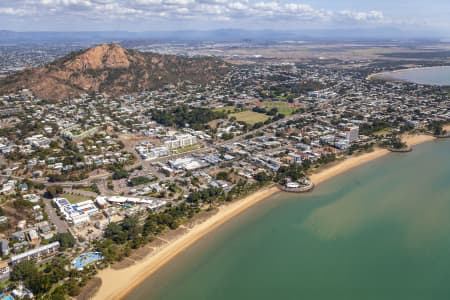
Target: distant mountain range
(114, 70)
(217, 35)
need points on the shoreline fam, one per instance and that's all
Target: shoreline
(346, 165)
(356, 161)
(381, 75)
(116, 284)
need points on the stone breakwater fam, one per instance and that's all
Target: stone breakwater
(403, 150)
(442, 136)
(303, 189)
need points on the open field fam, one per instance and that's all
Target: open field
(74, 198)
(383, 132)
(250, 117)
(283, 107)
(213, 124)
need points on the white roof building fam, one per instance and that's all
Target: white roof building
(76, 213)
(34, 253)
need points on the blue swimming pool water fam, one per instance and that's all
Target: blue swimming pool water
(85, 259)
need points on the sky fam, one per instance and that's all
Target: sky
(156, 15)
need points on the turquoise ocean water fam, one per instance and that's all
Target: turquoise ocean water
(381, 231)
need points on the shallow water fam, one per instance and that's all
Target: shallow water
(381, 231)
(428, 76)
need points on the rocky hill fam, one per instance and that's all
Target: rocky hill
(114, 70)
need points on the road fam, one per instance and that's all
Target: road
(61, 225)
(147, 164)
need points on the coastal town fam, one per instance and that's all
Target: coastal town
(91, 181)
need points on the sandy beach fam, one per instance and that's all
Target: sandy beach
(117, 283)
(355, 161)
(415, 139)
(347, 164)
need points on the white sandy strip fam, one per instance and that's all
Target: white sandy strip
(116, 284)
(353, 162)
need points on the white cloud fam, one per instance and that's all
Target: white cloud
(87, 3)
(370, 16)
(147, 2)
(200, 10)
(178, 2)
(237, 6)
(13, 11)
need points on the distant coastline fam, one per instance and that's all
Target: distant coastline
(116, 284)
(385, 74)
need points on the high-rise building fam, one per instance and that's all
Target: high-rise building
(351, 134)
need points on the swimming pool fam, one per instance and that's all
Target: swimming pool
(8, 297)
(85, 259)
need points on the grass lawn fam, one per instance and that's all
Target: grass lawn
(74, 198)
(383, 132)
(250, 117)
(283, 107)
